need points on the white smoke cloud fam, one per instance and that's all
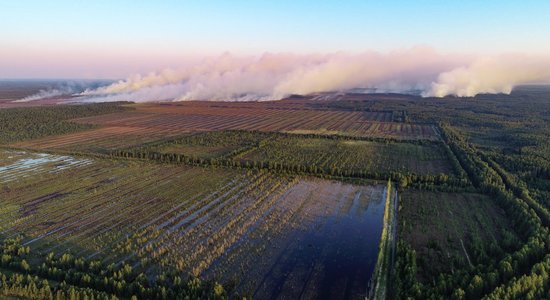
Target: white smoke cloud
(498, 74)
(275, 76)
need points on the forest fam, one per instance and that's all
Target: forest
(18, 124)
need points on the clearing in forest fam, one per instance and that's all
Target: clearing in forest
(453, 231)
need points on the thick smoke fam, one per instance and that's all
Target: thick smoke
(498, 74)
(275, 76)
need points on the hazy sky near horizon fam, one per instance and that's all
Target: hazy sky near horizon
(111, 39)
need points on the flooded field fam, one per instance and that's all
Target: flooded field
(263, 235)
(15, 165)
(320, 241)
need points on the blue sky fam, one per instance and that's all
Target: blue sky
(84, 38)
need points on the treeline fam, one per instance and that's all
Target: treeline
(244, 142)
(240, 141)
(484, 278)
(253, 137)
(68, 277)
(428, 182)
(528, 176)
(18, 124)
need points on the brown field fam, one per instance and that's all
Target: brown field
(98, 140)
(262, 116)
(151, 122)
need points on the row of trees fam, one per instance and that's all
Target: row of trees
(246, 141)
(254, 138)
(404, 179)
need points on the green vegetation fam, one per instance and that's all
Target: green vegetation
(526, 216)
(64, 276)
(501, 143)
(17, 124)
(357, 156)
(210, 145)
(419, 163)
(168, 199)
(453, 231)
(167, 220)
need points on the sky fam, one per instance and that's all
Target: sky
(115, 38)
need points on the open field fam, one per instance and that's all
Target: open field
(274, 116)
(100, 140)
(204, 222)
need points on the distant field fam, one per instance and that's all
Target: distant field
(241, 227)
(310, 154)
(197, 116)
(14, 90)
(453, 231)
(295, 151)
(355, 155)
(214, 144)
(155, 122)
(96, 140)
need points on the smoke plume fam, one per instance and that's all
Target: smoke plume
(275, 76)
(498, 74)
(64, 88)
